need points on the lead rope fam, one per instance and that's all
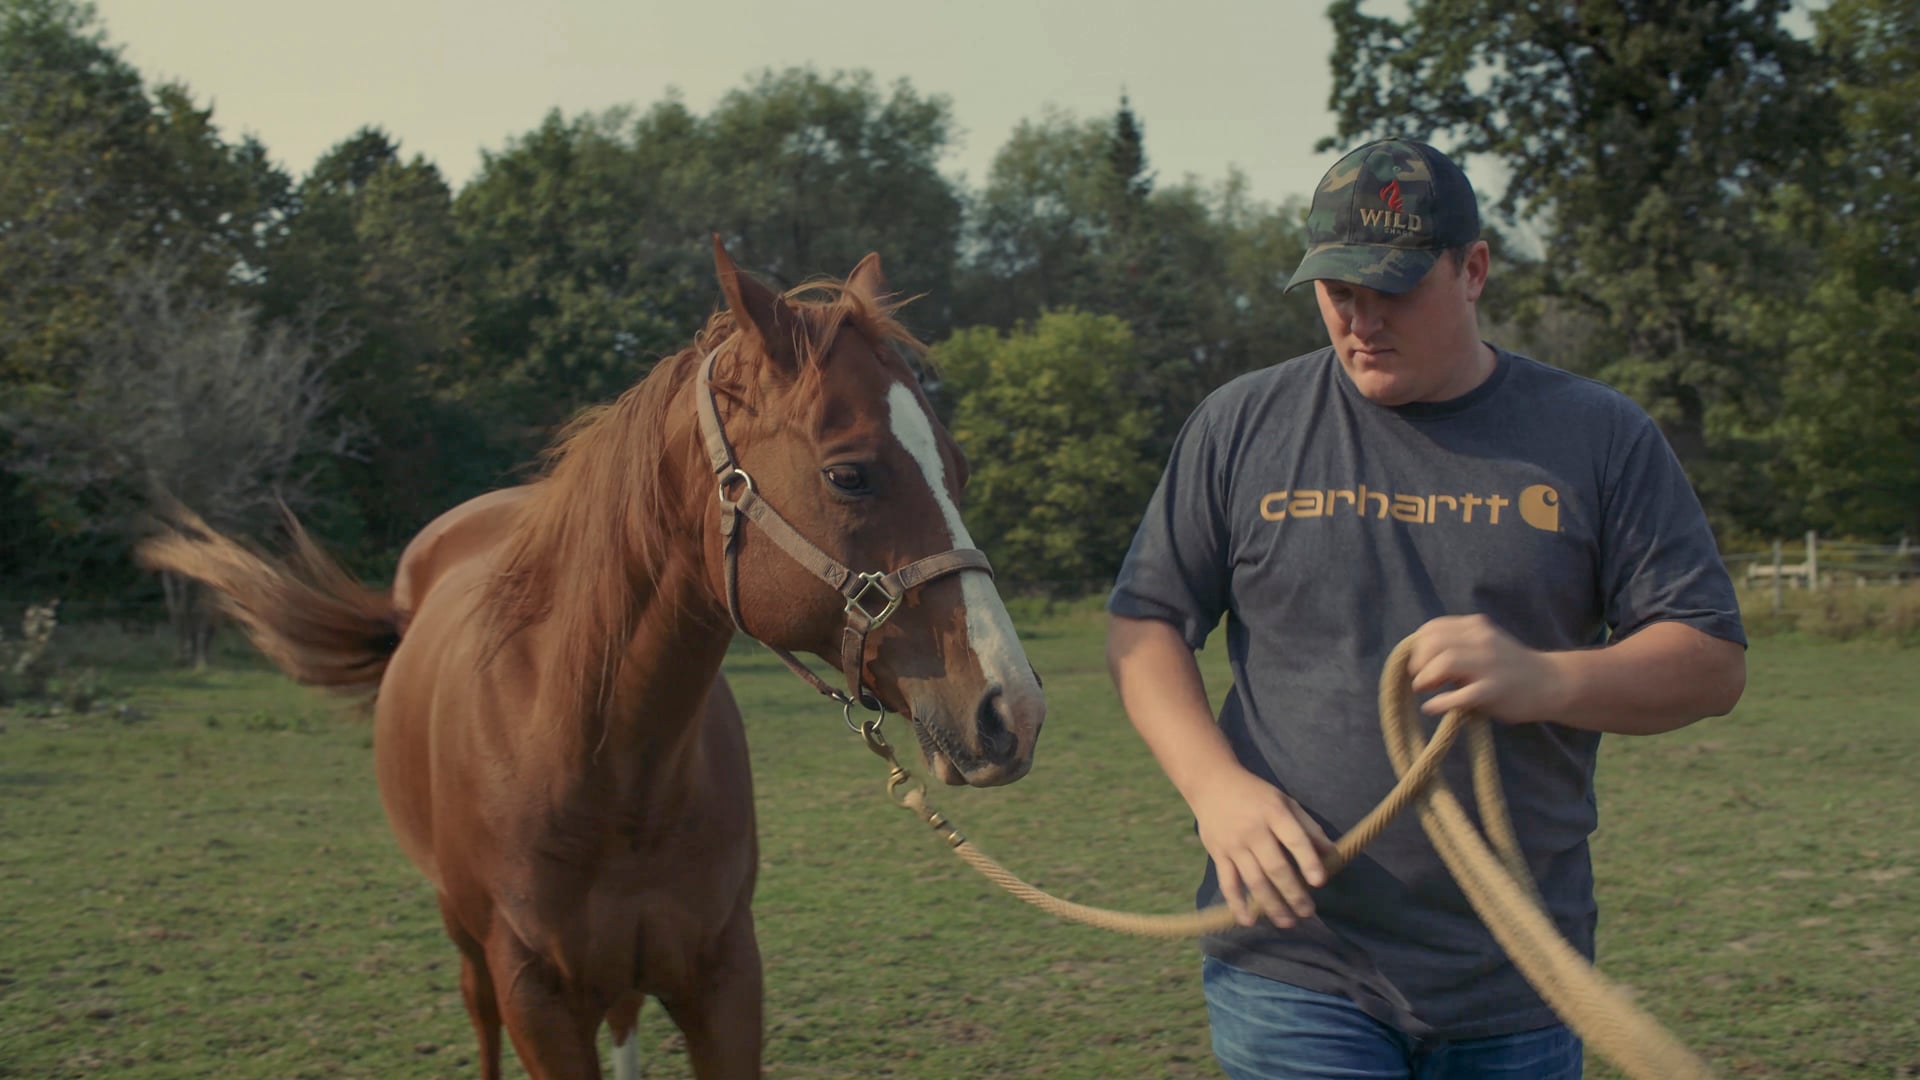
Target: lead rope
(1491, 870)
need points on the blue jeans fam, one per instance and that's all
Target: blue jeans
(1269, 1030)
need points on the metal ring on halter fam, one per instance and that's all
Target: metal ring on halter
(879, 715)
(727, 478)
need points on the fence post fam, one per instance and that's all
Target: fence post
(1813, 559)
(1778, 583)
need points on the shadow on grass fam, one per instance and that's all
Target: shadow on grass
(25, 778)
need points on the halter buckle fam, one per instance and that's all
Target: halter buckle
(870, 583)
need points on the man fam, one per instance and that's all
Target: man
(1409, 479)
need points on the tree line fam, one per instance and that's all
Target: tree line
(1701, 207)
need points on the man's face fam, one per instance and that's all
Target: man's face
(1419, 345)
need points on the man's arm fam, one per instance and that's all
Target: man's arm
(1264, 847)
(1663, 677)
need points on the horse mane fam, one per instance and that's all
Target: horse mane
(584, 553)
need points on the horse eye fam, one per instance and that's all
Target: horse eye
(848, 478)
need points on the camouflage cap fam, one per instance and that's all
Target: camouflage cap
(1383, 215)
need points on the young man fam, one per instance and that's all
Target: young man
(1529, 527)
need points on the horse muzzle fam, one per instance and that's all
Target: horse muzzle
(991, 744)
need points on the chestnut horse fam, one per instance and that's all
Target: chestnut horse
(555, 748)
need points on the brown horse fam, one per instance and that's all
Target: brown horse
(555, 748)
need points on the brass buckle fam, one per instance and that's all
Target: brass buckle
(873, 583)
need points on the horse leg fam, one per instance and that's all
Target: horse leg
(476, 988)
(721, 1017)
(552, 1029)
(622, 1020)
(626, 1058)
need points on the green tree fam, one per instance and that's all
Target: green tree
(186, 392)
(1849, 417)
(1127, 156)
(581, 273)
(100, 179)
(224, 203)
(1208, 298)
(811, 172)
(372, 253)
(100, 173)
(1056, 435)
(587, 237)
(1071, 217)
(1038, 225)
(72, 116)
(1643, 140)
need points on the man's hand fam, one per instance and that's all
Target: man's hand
(1479, 666)
(1266, 849)
(1663, 676)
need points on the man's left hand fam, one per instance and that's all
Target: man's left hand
(1476, 665)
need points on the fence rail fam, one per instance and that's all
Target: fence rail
(1824, 564)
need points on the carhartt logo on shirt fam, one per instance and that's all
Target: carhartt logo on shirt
(1539, 506)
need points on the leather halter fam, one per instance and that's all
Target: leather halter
(872, 598)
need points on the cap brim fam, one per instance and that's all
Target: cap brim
(1380, 267)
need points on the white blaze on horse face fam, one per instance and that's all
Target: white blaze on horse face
(989, 627)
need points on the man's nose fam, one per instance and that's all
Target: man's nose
(1365, 319)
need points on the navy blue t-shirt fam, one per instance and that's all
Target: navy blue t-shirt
(1326, 528)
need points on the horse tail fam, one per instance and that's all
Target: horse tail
(310, 617)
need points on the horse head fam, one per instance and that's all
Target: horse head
(823, 428)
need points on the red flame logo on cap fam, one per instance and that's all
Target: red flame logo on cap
(1391, 193)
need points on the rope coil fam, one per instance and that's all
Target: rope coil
(1491, 870)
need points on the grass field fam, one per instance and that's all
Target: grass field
(203, 886)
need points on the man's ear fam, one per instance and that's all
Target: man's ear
(1476, 266)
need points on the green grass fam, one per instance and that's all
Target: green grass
(203, 885)
(1838, 612)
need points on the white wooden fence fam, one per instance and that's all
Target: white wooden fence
(1825, 564)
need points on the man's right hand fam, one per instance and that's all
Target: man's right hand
(1266, 850)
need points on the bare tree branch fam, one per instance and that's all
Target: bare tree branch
(185, 395)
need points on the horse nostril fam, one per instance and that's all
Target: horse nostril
(996, 742)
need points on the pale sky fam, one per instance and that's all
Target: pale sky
(1217, 83)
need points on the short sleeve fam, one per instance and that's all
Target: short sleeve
(1176, 570)
(1659, 562)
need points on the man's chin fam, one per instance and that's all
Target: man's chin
(1383, 388)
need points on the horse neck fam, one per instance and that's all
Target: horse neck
(658, 654)
(680, 636)
(637, 750)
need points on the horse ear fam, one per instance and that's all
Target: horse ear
(867, 280)
(760, 313)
